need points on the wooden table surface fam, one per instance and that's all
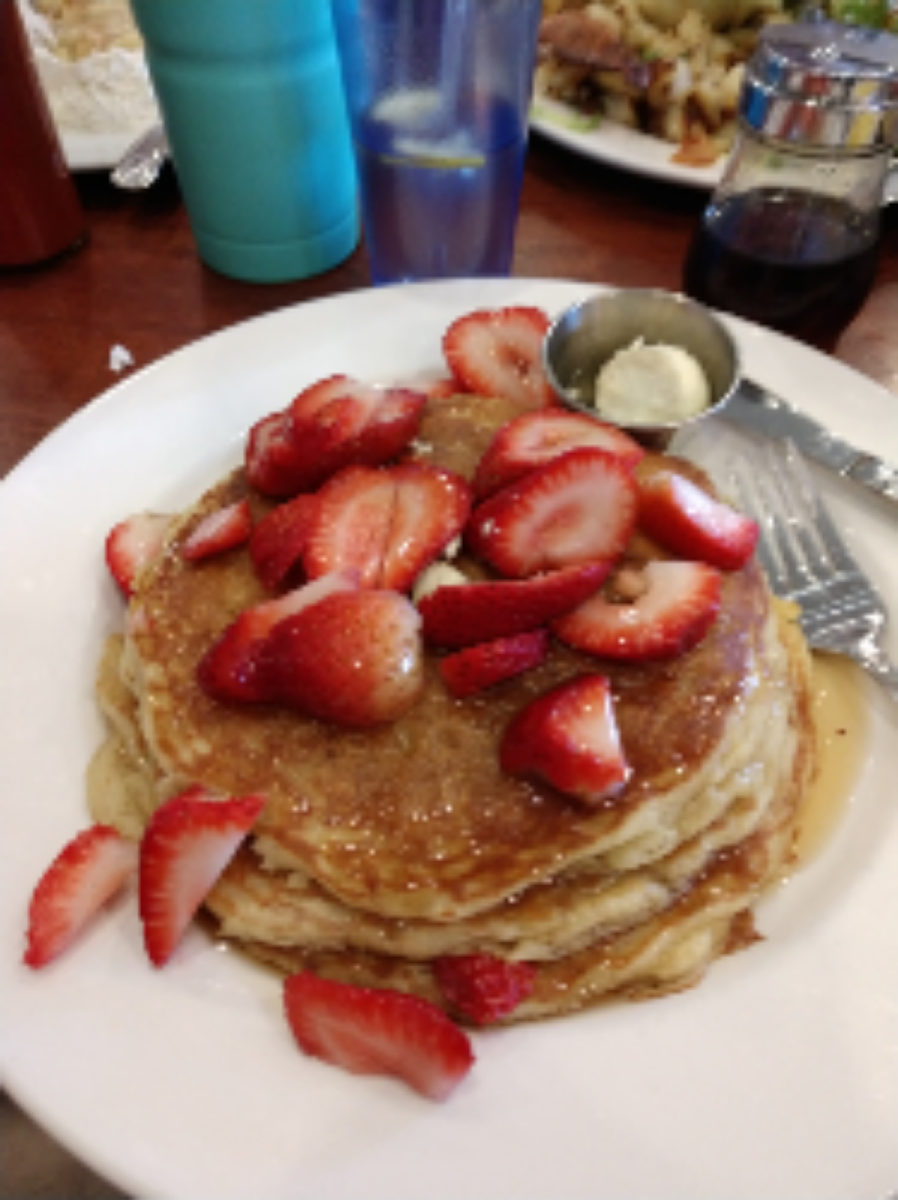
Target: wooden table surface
(138, 283)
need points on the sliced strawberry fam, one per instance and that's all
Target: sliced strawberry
(353, 659)
(483, 988)
(273, 465)
(351, 524)
(569, 738)
(324, 421)
(476, 668)
(535, 438)
(278, 540)
(684, 519)
(232, 669)
(187, 844)
(430, 508)
(81, 879)
(132, 544)
(443, 389)
(387, 522)
(371, 1031)
(335, 423)
(333, 409)
(466, 613)
(391, 426)
(579, 507)
(677, 606)
(341, 421)
(219, 531)
(499, 353)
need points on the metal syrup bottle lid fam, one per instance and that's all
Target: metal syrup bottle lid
(823, 84)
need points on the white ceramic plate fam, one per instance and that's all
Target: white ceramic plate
(618, 145)
(777, 1077)
(96, 151)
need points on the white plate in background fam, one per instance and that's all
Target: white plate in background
(618, 145)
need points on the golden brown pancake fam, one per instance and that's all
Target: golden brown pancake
(383, 849)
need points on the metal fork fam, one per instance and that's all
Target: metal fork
(806, 560)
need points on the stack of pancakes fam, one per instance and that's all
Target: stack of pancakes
(381, 850)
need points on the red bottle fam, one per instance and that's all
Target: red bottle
(40, 213)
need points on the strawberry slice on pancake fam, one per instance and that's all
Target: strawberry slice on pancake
(535, 438)
(673, 606)
(499, 353)
(389, 523)
(577, 508)
(568, 736)
(690, 523)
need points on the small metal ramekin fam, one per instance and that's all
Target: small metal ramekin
(583, 338)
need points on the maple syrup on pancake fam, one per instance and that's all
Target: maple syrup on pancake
(841, 715)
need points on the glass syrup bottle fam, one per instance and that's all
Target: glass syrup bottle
(790, 236)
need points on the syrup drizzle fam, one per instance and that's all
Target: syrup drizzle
(841, 714)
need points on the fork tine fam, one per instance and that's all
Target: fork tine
(799, 543)
(830, 541)
(806, 559)
(757, 498)
(793, 518)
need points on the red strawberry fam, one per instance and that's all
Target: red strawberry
(391, 426)
(340, 421)
(430, 509)
(335, 423)
(187, 844)
(277, 542)
(132, 544)
(324, 421)
(272, 463)
(499, 353)
(466, 613)
(353, 659)
(535, 438)
(483, 988)
(387, 522)
(333, 409)
(81, 879)
(569, 738)
(684, 519)
(579, 507)
(219, 531)
(675, 610)
(351, 524)
(232, 669)
(476, 668)
(443, 389)
(372, 1031)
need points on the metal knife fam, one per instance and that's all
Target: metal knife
(759, 410)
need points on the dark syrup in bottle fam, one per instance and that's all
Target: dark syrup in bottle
(792, 260)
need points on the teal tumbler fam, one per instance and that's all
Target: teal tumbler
(252, 100)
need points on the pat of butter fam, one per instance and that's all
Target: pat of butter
(651, 385)
(437, 575)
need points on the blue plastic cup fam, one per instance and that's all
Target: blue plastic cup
(252, 100)
(438, 94)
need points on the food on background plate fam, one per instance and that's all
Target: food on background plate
(563, 773)
(85, 27)
(664, 67)
(89, 56)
